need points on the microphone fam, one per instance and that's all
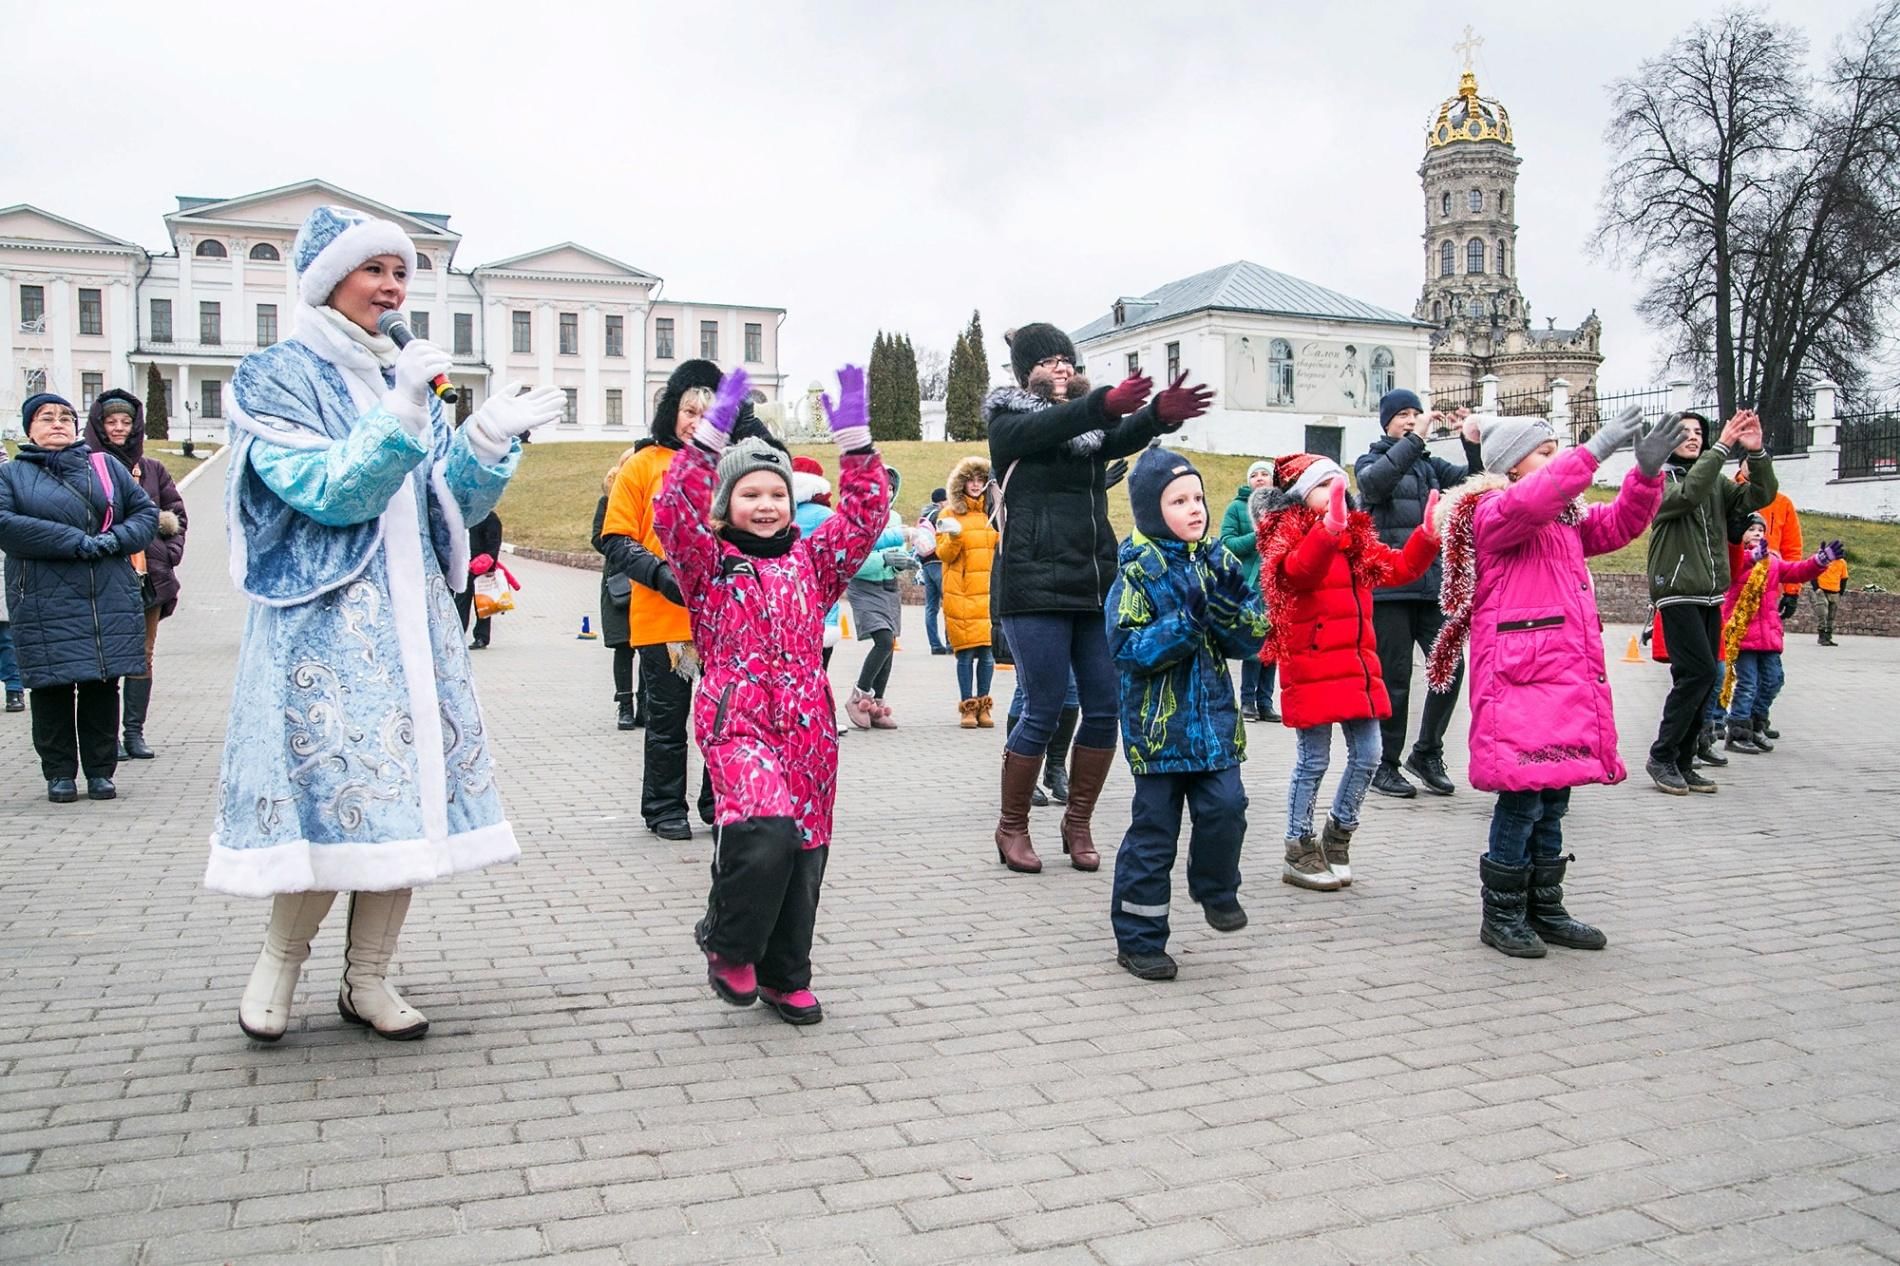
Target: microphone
(391, 326)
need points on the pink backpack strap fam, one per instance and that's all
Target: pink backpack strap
(104, 473)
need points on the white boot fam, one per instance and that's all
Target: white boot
(367, 998)
(264, 1010)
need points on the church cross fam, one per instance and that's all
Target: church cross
(1468, 45)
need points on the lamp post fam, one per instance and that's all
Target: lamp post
(191, 413)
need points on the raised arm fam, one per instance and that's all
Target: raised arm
(1379, 473)
(1608, 528)
(680, 518)
(1513, 516)
(841, 544)
(1023, 434)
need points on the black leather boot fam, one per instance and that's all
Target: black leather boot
(1546, 913)
(1506, 896)
(137, 702)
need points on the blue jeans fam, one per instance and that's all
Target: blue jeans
(978, 662)
(933, 602)
(1047, 646)
(1528, 824)
(1315, 753)
(1144, 866)
(9, 664)
(1758, 679)
(1016, 697)
(1256, 683)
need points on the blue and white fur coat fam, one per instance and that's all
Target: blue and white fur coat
(356, 758)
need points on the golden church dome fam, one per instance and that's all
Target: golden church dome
(1468, 117)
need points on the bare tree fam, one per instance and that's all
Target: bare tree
(933, 373)
(1760, 207)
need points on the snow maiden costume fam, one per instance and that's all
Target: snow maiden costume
(355, 758)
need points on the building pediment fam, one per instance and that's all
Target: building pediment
(29, 226)
(569, 261)
(285, 209)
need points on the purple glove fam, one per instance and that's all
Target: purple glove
(716, 427)
(1757, 551)
(1832, 552)
(850, 418)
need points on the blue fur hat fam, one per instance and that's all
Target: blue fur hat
(1155, 469)
(335, 241)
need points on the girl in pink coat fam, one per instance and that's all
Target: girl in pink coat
(758, 591)
(1541, 717)
(1752, 635)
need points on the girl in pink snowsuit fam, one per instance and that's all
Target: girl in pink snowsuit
(758, 592)
(1542, 720)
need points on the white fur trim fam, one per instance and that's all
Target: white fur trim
(1313, 476)
(409, 605)
(346, 253)
(806, 485)
(301, 866)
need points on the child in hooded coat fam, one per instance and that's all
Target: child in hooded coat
(965, 545)
(1179, 608)
(1542, 721)
(1752, 636)
(758, 589)
(1320, 560)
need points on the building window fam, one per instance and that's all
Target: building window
(1447, 259)
(210, 248)
(92, 319)
(33, 308)
(709, 340)
(423, 263)
(1444, 203)
(1279, 372)
(663, 338)
(1503, 205)
(570, 411)
(1134, 364)
(1385, 374)
(419, 324)
(1474, 201)
(615, 331)
(267, 324)
(90, 385)
(1438, 310)
(524, 331)
(210, 399)
(1174, 361)
(615, 412)
(570, 328)
(754, 342)
(1502, 271)
(161, 320)
(1475, 310)
(35, 382)
(1474, 255)
(210, 325)
(464, 334)
(265, 252)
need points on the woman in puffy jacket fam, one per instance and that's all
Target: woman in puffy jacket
(877, 616)
(966, 546)
(70, 520)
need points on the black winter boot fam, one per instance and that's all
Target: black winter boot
(625, 718)
(1760, 732)
(1055, 764)
(137, 702)
(1506, 896)
(1547, 915)
(1705, 747)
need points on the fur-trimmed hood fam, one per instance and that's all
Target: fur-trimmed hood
(806, 485)
(1471, 489)
(1271, 500)
(971, 467)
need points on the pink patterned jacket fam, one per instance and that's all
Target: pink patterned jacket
(763, 716)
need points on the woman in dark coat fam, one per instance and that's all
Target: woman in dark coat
(484, 550)
(116, 425)
(616, 587)
(68, 524)
(1050, 442)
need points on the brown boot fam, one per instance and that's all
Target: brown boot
(1013, 848)
(966, 718)
(983, 720)
(1088, 770)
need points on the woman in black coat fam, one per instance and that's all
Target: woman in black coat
(484, 551)
(116, 425)
(67, 525)
(1050, 442)
(616, 632)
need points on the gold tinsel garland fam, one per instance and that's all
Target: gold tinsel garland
(1735, 628)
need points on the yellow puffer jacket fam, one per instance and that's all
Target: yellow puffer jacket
(967, 556)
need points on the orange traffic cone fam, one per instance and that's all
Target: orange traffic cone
(1634, 655)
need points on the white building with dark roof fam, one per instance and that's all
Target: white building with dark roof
(85, 311)
(1297, 367)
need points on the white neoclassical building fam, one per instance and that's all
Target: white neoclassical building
(85, 311)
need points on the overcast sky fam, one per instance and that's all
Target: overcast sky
(864, 166)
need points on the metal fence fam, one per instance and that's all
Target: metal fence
(1589, 410)
(1520, 404)
(1870, 445)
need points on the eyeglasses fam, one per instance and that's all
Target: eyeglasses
(1050, 362)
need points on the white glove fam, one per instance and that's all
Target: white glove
(950, 526)
(416, 367)
(511, 412)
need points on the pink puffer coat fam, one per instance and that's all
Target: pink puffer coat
(1541, 712)
(763, 715)
(1765, 632)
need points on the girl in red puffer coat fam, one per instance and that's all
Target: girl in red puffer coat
(1319, 563)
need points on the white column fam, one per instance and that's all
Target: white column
(1559, 403)
(635, 329)
(1681, 395)
(119, 300)
(1827, 431)
(181, 396)
(1488, 394)
(185, 306)
(593, 407)
(442, 322)
(59, 330)
(240, 318)
(496, 343)
(12, 386)
(544, 342)
(287, 319)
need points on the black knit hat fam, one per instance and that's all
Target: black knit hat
(1739, 524)
(1155, 469)
(1033, 343)
(690, 374)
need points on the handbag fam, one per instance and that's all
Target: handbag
(619, 590)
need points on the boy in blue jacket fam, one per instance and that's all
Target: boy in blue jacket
(1179, 609)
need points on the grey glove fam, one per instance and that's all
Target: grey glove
(1615, 433)
(1654, 449)
(897, 558)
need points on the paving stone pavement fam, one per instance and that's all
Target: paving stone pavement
(1351, 1079)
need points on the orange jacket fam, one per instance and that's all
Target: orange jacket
(651, 619)
(1784, 528)
(1834, 579)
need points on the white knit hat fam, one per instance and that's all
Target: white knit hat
(335, 241)
(1316, 473)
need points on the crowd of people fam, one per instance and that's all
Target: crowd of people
(359, 518)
